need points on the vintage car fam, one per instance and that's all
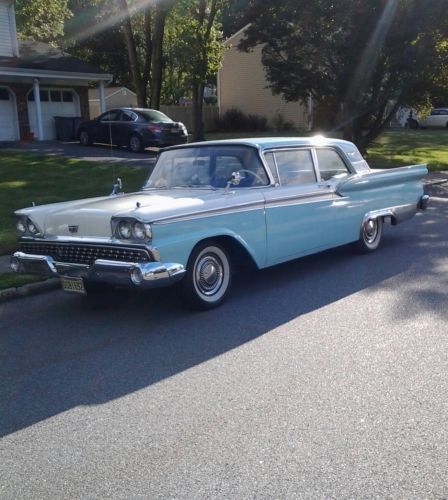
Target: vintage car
(209, 206)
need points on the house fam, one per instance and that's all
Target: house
(242, 84)
(38, 82)
(115, 97)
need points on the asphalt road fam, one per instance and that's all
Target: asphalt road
(323, 378)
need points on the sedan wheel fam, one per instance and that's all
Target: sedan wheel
(84, 138)
(370, 237)
(208, 276)
(135, 144)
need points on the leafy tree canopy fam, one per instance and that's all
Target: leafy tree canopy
(364, 58)
(41, 20)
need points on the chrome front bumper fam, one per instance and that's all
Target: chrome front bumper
(145, 275)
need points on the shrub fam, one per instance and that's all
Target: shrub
(234, 120)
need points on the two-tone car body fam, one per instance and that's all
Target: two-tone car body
(208, 206)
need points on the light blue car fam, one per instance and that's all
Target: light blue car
(208, 206)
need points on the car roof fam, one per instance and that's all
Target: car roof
(265, 143)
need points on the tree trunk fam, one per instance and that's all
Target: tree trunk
(198, 123)
(157, 57)
(140, 88)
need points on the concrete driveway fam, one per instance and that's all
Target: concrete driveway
(97, 152)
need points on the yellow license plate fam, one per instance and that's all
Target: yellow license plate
(73, 285)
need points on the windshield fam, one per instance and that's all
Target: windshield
(207, 167)
(154, 116)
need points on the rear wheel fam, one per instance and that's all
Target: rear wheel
(84, 138)
(135, 144)
(208, 277)
(370, 236)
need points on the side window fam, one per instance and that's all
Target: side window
(252, 173)
(295, 167)
(269, 157)
(110, 116)
(330, 164)
(127, 117)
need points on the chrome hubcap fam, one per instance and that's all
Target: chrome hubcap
(209, 274)
(370, 230)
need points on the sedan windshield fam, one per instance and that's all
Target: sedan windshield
(207, 167)
(151, 115)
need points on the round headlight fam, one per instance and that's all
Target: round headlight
(31, 227)
(148, 231)
(21, 228)
(124, 229)
(138, 231)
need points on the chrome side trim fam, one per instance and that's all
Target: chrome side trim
(258, 205)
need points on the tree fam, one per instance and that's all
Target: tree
(368, 57)
(202, 48)
(41, 19)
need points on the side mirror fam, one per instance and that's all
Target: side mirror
(116, 187)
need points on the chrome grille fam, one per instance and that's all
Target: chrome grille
(76, 253)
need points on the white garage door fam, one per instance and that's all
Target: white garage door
(8, 116)
(53, 102)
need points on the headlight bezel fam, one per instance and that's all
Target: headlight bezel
(29, 227)
(140, 232)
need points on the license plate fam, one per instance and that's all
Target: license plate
(73, 285)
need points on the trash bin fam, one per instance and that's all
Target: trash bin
(67, 127)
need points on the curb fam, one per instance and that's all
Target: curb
(30, 289)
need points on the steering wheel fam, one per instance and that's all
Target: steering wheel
(255, 175)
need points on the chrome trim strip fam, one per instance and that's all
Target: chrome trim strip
(258, 205)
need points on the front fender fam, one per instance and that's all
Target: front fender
(176, 240)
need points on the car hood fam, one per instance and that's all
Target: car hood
(92, 217)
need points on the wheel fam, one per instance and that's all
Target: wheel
(84, 138)
(208, 277)
(135, 144)
(370, 236)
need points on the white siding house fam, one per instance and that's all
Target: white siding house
(39, 82)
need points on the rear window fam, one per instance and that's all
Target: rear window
(151, 115)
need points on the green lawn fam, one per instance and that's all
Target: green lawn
(27, 177)
(12, 280)
(408, 147)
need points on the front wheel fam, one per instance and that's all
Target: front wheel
(370, 236)
(208, 277)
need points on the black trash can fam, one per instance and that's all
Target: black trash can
(67, 127)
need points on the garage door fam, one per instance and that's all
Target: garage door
(54, 102)
(8, 116)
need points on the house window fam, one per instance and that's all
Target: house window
(67, 96)
(55, 96)
(44, 96)
(4, 95)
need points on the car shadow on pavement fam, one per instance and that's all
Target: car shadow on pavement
(58, 351)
